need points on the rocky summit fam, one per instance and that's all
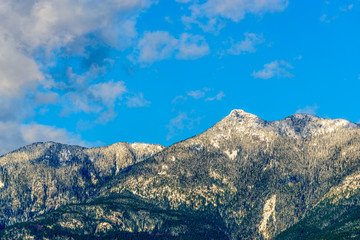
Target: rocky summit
(244, 178)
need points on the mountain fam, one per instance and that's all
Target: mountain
(335, 216)
(244, 178)
(43, 176)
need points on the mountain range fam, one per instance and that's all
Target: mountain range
(244, 178)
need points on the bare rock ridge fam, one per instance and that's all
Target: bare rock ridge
(244, 178)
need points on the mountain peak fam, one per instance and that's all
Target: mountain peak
(240, 116)
(305, 116)
(301, 124)
(239, 113)
(296, 125)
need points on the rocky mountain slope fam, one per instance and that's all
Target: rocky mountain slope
(335, 216)
(43, 176)
(246, 178)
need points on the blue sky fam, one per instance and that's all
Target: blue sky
(98, 72)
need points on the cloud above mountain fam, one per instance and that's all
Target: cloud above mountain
(35, 36)
(235, 10)
(278, 69)
(160, 45)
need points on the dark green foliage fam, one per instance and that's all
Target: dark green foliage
(328, 221)
(169, 224)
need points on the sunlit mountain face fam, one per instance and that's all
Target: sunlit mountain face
(244, 178)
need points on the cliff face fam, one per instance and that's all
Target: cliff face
(43, 176)
(245, 178)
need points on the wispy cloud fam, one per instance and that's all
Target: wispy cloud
(273, 69)
(160, 45)
(185, 119)
(213, 11)
(81, 95)
(197, 94)
(179, 99)
(347, 7)
(217, 97)
(183, 1)
(334, 10)
(192, 47)
(308, 110)
(137, 100)
(14, 135)
(248, 45)
(181, 122)
(325, 18)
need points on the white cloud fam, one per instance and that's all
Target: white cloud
(178, 99)
(137, 101)
(155, 46)
(18, 72)
(33, 29)
(192, 47)
(335, 9)
(15, 135)
(234, 10)
(160, 45)
(42, 98)
(276, 68)
(98, 98)
(217, 97)
(247, 45)
(55, 23)
(197, 94)
(33, 34)
(308, 110)
(108, 92)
